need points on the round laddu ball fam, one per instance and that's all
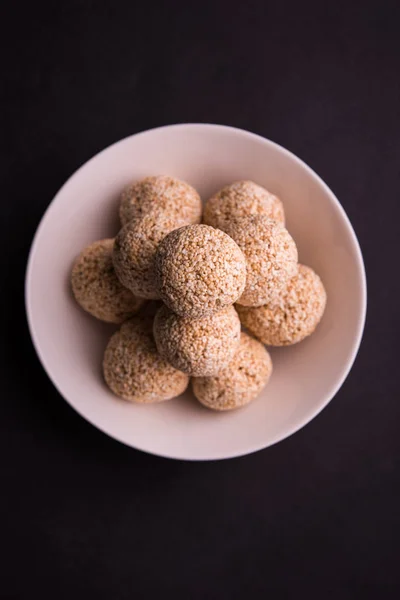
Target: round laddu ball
(168, 195)
(294, 317)
(97, 288)
(271, 257)
(240, 199)
(198, 347)
(240, 381)
(199, 270)
(134, 370)
(135, 250)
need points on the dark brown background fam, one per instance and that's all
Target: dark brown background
(315, 516)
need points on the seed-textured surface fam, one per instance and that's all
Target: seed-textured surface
(241, 199)
(161, 194)
(199, 270)
(198, 347)
(294, 317)
(271, 257)
(239, 382)
(97, 288)
(134, 370)
(135, 250)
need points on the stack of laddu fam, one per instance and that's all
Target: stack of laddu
(180, 290)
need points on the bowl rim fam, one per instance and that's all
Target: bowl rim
(359, 263)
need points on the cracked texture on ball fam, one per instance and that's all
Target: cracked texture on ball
(96, 286)
(135, 250)
(164, 194)
(271, 257)
(134, 370)
(197, 346)
(240, 381)
(294, 317)
(199, 270)
(240, 199)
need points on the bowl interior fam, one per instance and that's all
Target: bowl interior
(70, 343)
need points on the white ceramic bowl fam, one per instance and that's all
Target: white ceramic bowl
(70, 343)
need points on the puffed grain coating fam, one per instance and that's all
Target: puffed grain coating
(134, 370)
(271, 257)
(161, 194)
(240, 199)
(294, 317)
(97, 288)
(238, 383)
(198, 347)
(199, 270)
(135, 250)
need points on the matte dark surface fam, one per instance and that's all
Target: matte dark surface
(316, 516)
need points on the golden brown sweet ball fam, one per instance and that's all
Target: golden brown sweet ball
(135, 251)
(240, 199)
(271, 257)
(240, 381)
(161, 194)
(97, 288)
(200, 270)
(197, 346)
(134, 370)
(294, 316)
